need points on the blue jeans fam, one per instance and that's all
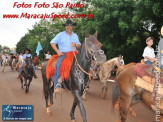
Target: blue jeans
(149, 63)
(23, 66)
(57, 70)
(161, 67)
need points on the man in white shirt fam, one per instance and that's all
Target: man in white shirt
(148, 54)
(47, 56)
(3, 56)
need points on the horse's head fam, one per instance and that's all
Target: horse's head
(93, 49)
(28, 62)
(119, 61)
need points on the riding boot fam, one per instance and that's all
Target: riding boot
(35, 75)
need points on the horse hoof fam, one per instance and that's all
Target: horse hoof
(73, 120)
(48, 111)
(116, 106)
(84, 98)
(133, 114)
(49, 104)
(103, 95)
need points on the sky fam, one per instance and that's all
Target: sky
(11, 30)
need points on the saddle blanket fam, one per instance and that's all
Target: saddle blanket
(142, 70)
(146, 78)
(65, 66)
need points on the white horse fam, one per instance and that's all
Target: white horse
(4, 63)
(105, 72)
(13, 64)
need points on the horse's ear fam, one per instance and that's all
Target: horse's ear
(122, 56)
(119, 56)
(95, 34)
(86, 34)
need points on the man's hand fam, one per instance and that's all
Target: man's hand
(60, 53)
(73, 44)
(155, 59)
(56, 49)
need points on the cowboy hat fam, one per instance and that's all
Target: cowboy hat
(162, 30)
(28, 50)
(69, 22)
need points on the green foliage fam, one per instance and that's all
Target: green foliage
(122, 25)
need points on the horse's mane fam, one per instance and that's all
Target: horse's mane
(112, 60)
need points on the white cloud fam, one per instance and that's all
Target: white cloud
(11, 30)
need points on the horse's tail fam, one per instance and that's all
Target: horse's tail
(115, 93)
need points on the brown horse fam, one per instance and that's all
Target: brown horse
(125, 88)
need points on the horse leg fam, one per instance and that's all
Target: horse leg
(77, 95)
(26, 85)
(117, 104)
(84, 95)
(46, 100)
(133, 113)
(73, 110)
(124, 106)
(21, 83)
(104, 90)
(51, 90)
(3, 68)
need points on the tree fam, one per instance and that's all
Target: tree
(123, 25)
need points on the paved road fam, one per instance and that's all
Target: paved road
(98, 110)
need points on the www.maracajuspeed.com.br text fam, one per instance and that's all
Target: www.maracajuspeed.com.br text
(46, 16)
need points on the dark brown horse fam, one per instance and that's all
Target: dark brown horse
(27, 74)
(125, 88)
(78, 79)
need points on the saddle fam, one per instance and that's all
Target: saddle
(64, 68)
(146, 77)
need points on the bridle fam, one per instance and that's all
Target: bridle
(92, 52)
(29, 60)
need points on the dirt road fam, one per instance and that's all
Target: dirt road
(98, 110)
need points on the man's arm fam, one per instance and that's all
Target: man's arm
(151, 59)
(75, 45)
(56, 49)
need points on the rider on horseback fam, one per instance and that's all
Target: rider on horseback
(20, 58)
(148, 54)
(27, 54)
(65, 40)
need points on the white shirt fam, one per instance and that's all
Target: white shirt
(148, 52)
(3, 57)
(47, 56)
(20, 57)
